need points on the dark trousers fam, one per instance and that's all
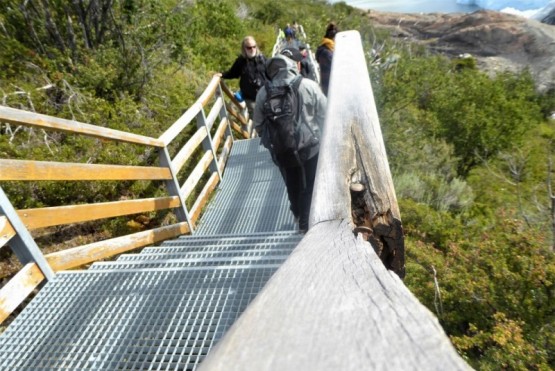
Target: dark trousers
(299, 181)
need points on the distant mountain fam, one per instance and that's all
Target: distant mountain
(549, 18)
(498, 41)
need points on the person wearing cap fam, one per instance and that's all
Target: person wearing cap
(250, 68)
(306, 66)
(302, 63)
(294, 54)
(299, 179)
(324, 55)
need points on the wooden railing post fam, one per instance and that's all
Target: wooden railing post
(23, 245)
(173, 188)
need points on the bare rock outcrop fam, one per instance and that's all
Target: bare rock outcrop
(497, 40)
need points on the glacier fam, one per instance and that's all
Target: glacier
(528, 8)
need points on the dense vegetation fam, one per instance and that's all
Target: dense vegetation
(471, 154)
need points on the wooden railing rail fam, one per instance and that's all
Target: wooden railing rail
(239, 115)
(333, 304)
(213, 139)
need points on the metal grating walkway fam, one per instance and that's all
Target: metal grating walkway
(167, 306)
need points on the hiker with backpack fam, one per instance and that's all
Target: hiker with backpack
(250, 68)
(289, 117)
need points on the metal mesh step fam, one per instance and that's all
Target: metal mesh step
(129, 315)
(233, 236)
(254, 198)
(208, 254)
(184, 263)
(129, 319)
(180, 248)
(230, 240)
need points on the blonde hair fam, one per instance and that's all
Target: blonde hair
(244, 42)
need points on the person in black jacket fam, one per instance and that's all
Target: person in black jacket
(250, 68)
(324, 56)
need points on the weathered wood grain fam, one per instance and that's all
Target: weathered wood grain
(50, 216)
(333, 306)
(19, 117)
(188, 149)
(235, 102)
(210, 90)
(204, 196)
(18, 288)
(196, 174)
(353, 151)
(85, 254)
(240, 129)
(224, 155)
(178, 126)
(42, 170)
(220, 133)
(6, 230)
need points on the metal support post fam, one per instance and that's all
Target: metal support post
(22, 244)
(174, 189)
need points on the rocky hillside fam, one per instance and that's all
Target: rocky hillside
(498, 41)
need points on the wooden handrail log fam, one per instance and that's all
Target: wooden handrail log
(44, 170)
(352, 152)
(19, 117)
(50, 216)
(333, 306)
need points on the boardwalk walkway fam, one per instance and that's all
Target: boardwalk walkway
(165, 307)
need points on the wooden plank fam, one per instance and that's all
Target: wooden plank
(244, 133)
(224, 155)
(187, 151)
(358, 156)
(85, 254)
(19, 288)
(214, 112)
(220, 132)
(20, 117)
(43, 170)
(237, 116)
(209, 91)
(50, 216)
(204, 196)
(231, 97)
(178, 126)
(191, 113)
(333, 306)
(196, 174)
(6, 230)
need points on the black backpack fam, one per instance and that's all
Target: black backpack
(284, 135)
